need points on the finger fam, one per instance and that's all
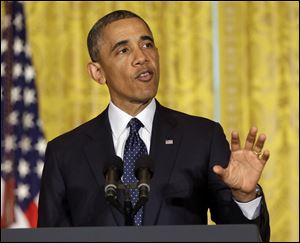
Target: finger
(219, 170)
(251, 138)
(260, 143)
(265, 156)
(235, 141)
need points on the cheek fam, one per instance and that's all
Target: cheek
(119, 79)
(155, 59)
(118, 73)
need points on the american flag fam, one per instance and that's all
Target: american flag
(22, 140)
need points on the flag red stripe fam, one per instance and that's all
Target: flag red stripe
(8, 216)
(32, 214)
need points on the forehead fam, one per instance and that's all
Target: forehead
(125, 29)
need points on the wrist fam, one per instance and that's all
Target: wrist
(244, 197)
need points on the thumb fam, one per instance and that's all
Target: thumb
(219, 170)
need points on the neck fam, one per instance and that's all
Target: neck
(132, 108)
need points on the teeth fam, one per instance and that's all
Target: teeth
(144, 74)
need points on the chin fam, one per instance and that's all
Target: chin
(144, 99)
(149, 96)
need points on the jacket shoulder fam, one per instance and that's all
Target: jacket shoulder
(188, 119)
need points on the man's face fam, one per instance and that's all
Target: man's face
(130, 62)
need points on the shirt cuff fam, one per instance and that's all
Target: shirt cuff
(251, 210)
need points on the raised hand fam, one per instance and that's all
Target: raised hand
(245, 166)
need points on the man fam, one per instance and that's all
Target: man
(194, 166)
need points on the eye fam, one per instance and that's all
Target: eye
(148, 45)
(123, 50)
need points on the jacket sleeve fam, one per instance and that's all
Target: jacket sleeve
(223, 209)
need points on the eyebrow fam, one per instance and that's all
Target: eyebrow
(120, 43)
(147, 37)
(124, 42)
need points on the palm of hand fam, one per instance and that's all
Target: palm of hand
(243, 171)
(246, 164)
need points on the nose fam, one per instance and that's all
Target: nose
(139, 57)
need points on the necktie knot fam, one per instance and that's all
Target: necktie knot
(135, 125)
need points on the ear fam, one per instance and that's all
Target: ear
(96, 72)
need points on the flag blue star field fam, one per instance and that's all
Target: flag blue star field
(22, 140)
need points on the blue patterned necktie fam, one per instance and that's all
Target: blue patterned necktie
(134, 148)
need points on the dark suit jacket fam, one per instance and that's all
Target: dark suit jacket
(183, 186)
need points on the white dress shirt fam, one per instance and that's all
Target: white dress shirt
(118, 121)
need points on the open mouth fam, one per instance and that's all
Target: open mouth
(145, 75)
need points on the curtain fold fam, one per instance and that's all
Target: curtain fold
(58, 31)
(259, 43)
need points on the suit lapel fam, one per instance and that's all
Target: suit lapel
(99, 152)
(165, 142)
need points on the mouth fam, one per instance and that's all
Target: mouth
(144, 75)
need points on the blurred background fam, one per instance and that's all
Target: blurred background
(233, 62)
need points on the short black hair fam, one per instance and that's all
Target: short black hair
(95, 33)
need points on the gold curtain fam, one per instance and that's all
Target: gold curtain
(259, 76)
(69, 97)
(259, 43)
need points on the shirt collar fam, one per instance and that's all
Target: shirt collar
(119, 119)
